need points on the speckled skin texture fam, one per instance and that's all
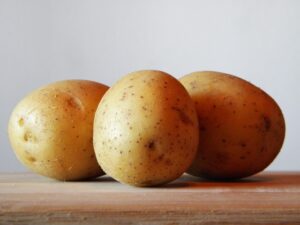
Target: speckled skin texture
(51, 129)
(241, 127)
(146, 129)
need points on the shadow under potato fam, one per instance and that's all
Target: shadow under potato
(197, 182)
(187, 180)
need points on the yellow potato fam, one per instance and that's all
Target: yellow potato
(146, 129)
(241, 127)
(51, 129)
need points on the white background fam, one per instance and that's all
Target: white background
(44, 41)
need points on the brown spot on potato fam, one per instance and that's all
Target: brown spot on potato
(243, 144)
(29, 137)
(74, 102)
(267, 122)
(124, 95)
(21, 122)
(31, 159)
(161, 157)
(182, 115)
(151, 145)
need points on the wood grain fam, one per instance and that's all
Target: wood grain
(267, 198)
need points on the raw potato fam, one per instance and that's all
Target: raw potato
(241, 127)
(51, 129)
(146, 129)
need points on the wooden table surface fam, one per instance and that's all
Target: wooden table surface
(267, 198)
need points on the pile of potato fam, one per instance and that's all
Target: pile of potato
(148, 129)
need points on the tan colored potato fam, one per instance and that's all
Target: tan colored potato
(51, 129)
(241, 127)
(146, 129)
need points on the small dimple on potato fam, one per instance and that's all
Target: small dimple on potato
(29, 137)
(74, 102)
(31, 159)
(21, 122)
(150, 145)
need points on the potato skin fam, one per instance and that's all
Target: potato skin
(51, 129)
(242, 128)
(146, 129)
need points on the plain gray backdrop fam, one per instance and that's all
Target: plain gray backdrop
(43, 41)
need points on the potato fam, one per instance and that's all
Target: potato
(146, 129)
(51, 129)
(241, 127)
